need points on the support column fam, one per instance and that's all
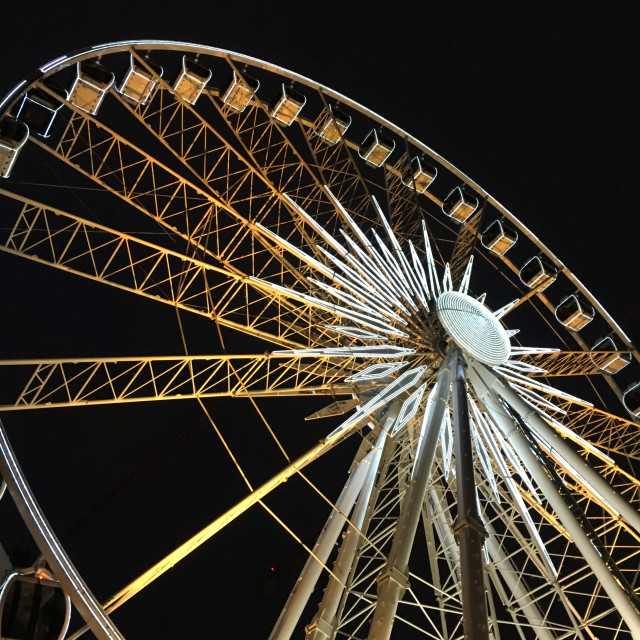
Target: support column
(323, 626)
(468, 526)
(312, 569)
(483, 384)
(393, 580)
(577, 462)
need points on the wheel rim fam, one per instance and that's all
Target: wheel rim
(228, 210)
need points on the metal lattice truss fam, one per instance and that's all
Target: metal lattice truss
(276, 234)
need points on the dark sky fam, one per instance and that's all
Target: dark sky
(536, 104)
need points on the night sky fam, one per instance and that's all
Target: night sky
(535, 105)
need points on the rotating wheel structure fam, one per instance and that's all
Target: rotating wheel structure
(202, 249)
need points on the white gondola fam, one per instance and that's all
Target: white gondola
(192, 80)
(419, 175)
(614, 362)
(538, 273)
(631, 399)
(287, 105)
(459, 205)
(90, 86)
(239, 92)
(39, 107)
(499, 237)
(574, 312)
(140, 80)
(331, 125)
(13, 135)
(376, 148)
(33, 606)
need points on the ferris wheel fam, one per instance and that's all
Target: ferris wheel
(468, 466)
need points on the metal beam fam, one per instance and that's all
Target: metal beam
(393, 580)
(468, 526)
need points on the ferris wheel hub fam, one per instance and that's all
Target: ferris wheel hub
(473, 328)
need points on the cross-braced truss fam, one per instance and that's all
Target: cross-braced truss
(319, 266)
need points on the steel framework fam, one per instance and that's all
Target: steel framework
(482, 500)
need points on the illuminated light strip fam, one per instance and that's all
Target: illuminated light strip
(350, 221)
(520, 470)
(520, 505)
(401, 284)
(523, 351)
(464, 284)
(327, 237)
(392, 283)
(481, 422)
(409, 409)
(52, 64)
(446, 431)
(354, 332)
(533, 399)
(285, 244)
(388, 264)
(372, 323)
(572, 435)
(376, 371)
(483, 456)
(410, 278)
(345, 297)
(369, 351)
(380, 284)
(522, 366)
(502, 311)
(431, 265)
(359, 282)
(529, 382)
(422, 277)
(407, 380)
(447, 282)
(573, 473)
(371, 266)
(394, 260)
(12, 93)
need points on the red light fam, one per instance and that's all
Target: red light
(272, 568)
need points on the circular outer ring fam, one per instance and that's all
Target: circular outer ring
(473, 328)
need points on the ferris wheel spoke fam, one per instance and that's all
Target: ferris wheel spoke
(573, 363)
(83, 382)
(465, 244)
(348, 427)
(68, 242)
(253, 189)
(142, 181)
(591, 550)
(604, 430)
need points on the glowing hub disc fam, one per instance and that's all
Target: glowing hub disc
(473, 328)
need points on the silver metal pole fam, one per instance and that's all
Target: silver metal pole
(468, 526)
(575, 460)
(484, 385)
(509, 574)
(323, 626)
(312, 569)
(393, 579)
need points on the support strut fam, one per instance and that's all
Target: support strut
(468, 526)
(393, 579)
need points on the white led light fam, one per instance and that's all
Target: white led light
(473, 328)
